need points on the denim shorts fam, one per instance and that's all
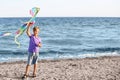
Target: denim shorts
(32, 58)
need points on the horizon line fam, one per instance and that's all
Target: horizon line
(58, 16)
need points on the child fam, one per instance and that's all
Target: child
(33, 50)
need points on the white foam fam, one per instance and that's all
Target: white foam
(99, 54)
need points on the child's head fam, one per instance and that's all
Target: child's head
(36, 30)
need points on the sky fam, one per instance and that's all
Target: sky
(61, 8)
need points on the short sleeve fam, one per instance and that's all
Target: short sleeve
(30, 36)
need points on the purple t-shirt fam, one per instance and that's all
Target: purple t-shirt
(33, 44)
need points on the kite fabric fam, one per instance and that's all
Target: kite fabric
(5, 34)
(33, 12)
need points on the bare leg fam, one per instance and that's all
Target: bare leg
(27, 69)
(26, 72)
(35, 69)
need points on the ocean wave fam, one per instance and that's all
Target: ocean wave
(108, 49)
(90, 25)
(114, 24)
(61, 41)
(52, 54)
(98, 54)
(64, 51)
(85, 55)
(9, 52)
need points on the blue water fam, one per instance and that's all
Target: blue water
(77, 37)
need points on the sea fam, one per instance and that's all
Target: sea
(63, 37)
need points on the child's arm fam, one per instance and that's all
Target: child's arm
(28, 29)
(39, 45)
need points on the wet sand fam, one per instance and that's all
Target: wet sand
(99, 68)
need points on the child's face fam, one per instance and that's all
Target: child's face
(36, 32)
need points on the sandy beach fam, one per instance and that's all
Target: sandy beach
(99, 68)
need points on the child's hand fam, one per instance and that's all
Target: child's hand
(39, 45)
(29, 24)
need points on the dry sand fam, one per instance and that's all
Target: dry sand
(101, 68)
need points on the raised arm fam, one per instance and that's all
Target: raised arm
(28, 29)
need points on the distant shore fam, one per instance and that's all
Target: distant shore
(97, 68)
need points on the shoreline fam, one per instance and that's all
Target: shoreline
(95, 68)
(54, 60)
